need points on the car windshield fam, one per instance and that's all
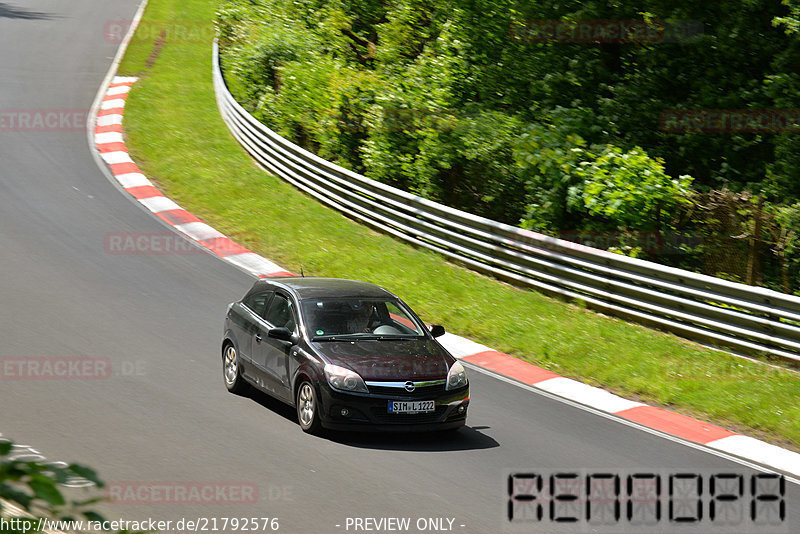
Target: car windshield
(333, 319)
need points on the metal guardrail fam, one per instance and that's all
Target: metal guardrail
(704, 308)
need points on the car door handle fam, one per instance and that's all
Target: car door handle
(258, 338)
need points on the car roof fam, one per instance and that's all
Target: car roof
(312, 287)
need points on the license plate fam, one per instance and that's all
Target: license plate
(412, 406)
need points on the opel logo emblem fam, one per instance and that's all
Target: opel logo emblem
(410, 386)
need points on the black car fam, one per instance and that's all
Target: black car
(346, 354)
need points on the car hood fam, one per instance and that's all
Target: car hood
(389, 360)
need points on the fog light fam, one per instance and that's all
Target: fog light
(345, 412)
(461, 409)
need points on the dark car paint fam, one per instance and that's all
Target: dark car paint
(259, 354)
(412, 359)
(277, 367)
(314, 287)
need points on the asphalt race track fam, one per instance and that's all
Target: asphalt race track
(162, 414)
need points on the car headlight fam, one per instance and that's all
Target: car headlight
(456, 377)
(344, 379)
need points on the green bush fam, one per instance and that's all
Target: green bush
(631, 188)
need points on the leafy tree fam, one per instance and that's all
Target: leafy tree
(784, 240)
(549, 159)
(463, 101)
(790, 22)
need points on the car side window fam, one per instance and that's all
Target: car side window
(257, 302)
(400, 319)
(280, 313)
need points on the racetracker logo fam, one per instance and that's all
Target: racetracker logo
(730, 120)
(182, 493)
(648, 242)
(152, 243)
(400, 370)
(405, 120)
(43, 120)
(603, 31)
(177, 31)
(590, 242)
(55, 368)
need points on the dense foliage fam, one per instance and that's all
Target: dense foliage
(572, 133)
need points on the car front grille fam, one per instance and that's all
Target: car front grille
(423, 392)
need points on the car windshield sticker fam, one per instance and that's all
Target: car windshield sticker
(320, 332)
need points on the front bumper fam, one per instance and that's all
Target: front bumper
(370, 411)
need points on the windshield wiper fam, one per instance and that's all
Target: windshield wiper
(326, 338)
(337, 337)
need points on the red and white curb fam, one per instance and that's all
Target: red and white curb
(111, 146)
(675, 424)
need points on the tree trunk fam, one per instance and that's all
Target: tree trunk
(784, 272)
(753, 271)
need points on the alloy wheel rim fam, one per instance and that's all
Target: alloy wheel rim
(231, 368)
(306, 405)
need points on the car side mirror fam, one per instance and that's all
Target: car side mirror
(284, 334)
(437, 330)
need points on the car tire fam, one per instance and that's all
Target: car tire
(232, 371)
(308, 408)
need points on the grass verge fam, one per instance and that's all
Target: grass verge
(175, 133)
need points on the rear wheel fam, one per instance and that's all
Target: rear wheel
(231, 371)
(308, 408)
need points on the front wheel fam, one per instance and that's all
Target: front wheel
(308, 408)
(232, 371)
